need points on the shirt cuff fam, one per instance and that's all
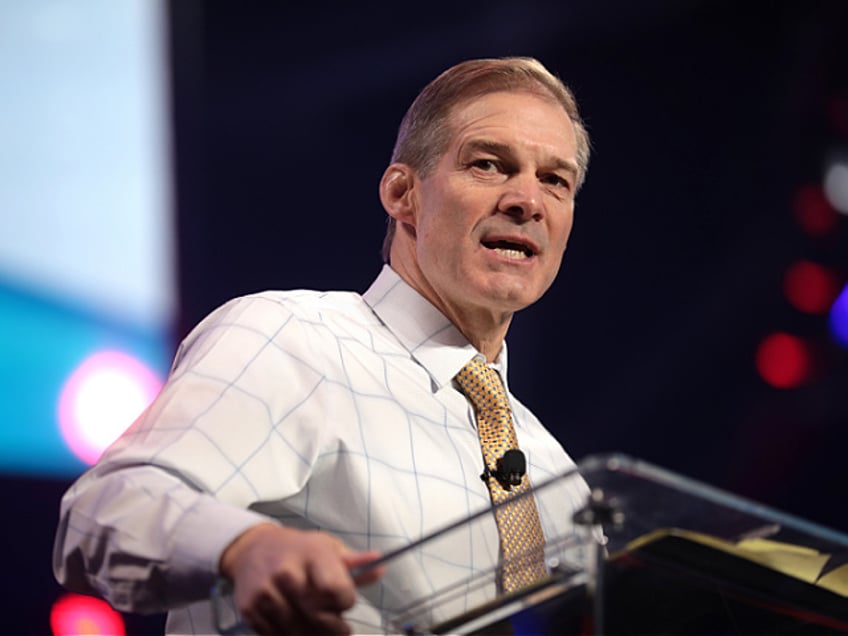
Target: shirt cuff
(205, 531)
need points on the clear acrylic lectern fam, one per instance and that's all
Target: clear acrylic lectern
(646, 552)
(651, 552)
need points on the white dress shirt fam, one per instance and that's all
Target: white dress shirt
(335, 411)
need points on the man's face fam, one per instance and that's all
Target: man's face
(493, 217)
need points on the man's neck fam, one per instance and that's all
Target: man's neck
(484, 327)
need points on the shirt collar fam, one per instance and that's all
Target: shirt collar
(431, 339)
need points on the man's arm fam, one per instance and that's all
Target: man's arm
(161, 545)
(142, 538)
(148, 526)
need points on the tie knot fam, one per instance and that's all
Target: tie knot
(482, 385)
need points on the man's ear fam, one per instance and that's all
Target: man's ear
(397, 192)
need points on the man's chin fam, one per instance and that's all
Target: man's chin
(511, 298)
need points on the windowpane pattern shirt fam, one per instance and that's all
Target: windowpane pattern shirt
(335, 411)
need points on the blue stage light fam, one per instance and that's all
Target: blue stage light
(839, 318)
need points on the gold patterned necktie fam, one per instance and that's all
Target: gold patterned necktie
(519, 528)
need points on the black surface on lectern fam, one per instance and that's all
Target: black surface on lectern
(675, 587)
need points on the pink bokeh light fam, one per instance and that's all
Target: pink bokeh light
(74, 614)
(101, 398)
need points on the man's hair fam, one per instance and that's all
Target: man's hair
(425, 133)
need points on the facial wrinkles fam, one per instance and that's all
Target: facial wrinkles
(522, 159)
(529, 122)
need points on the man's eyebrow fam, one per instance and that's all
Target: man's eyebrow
(487, 145)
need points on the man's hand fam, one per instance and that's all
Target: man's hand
(291, 581)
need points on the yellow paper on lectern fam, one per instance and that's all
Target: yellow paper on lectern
(793, 560)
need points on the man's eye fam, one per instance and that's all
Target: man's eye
(558, 181)
(487, 165)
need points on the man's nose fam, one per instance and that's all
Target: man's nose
(522, 198)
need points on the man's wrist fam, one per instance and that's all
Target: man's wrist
(232, 553)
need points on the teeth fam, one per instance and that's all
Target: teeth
(516, 254)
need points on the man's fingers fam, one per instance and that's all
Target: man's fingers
(330, 585)
(358, 559)
(267, 611)
(291, 581)
(326, 623)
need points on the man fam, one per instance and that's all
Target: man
(301, 434)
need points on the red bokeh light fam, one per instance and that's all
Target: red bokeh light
(75, 615)
(810, 287)
(783, 360)
(813, 212)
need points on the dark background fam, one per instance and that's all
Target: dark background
(706, 119)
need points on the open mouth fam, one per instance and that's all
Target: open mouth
(510, 249)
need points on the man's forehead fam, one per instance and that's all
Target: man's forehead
(540, 93)
(460, 112)
(483, 120)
